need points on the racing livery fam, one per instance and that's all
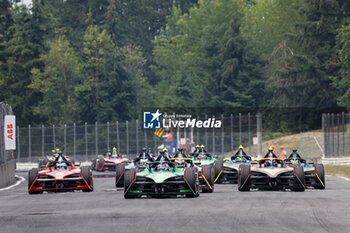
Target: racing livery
(60, 176)
(161, 179)
(270, 174)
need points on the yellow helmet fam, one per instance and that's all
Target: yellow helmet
(53, 151)
(197, 146)
(270, 148)
(165, 150)
(202, 146)
(240, 147)
(114, 148)
(57, 150)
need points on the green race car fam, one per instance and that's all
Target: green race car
(208, 169)
(161, 179)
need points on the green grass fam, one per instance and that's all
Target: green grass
(338, 170)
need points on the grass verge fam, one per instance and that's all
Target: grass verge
(338, 170)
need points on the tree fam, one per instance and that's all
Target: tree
(58, 83)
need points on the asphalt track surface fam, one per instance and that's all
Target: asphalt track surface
(226, 210)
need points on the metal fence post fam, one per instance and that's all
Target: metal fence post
(240, 128)
(108, 135)
(222, 134)
(343, 132)
(74, 141)
(338, 134)
(249, 134)
(18, 145)
(86, 143)
(127, 138)
(213, 139)
(96, 137)
(324, 130)
(259, 133)
(197, 139)
(42, 141)
(332, 122)
(29, 144)
(54, 137)
(328, 135)
(231, 119)
(65, 139)
(146, 144)
(118, 145)
(137, 136)
(206, 133)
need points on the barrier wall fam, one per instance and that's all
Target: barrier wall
(7, 173)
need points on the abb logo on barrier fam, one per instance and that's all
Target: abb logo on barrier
(10, 132)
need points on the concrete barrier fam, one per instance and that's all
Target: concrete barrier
(7, 173)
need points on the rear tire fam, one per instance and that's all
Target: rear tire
(319, 176)
(93, 164)
(244, 180)
(119, 174)
(129, 180)
(299, 179)
(217, 169)
(208, 174)
(191, 178)
(101, 161)
(87, 175)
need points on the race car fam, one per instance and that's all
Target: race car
(60, 175)
(208, 169)
(229, 172)
(108, 162)
(270, 174)
(314, 172)
(140, 163)
(161, 179)
(43, 162)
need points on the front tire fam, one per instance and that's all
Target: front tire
(119, 175)
(299, 179)
(244, 178)
(87, 175)
(129, 180)
(217, 169)
(319, 176)
(191, 178)
(208, 174)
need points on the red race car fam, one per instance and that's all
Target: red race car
(60, 176)
(108, 163)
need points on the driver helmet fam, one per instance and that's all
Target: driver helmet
(240, 147)
(165, 150)
(197, 146)
(202, 146)
(270, 148)
(144, 149)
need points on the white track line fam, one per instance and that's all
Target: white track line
(21, 179)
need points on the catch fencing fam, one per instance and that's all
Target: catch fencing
(85, 142)
(336, 135)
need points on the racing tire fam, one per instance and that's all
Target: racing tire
(119, 175)
(244, 180)
(299, 179)
(217, 169)
(32, 175)
(101, 161)
(191, 178)
(93, 164)
(208, 174)
(87, 175)
(319, 176)
(129, 180)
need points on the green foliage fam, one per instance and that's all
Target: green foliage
(58, 83)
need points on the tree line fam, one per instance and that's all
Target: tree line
(85, 61)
